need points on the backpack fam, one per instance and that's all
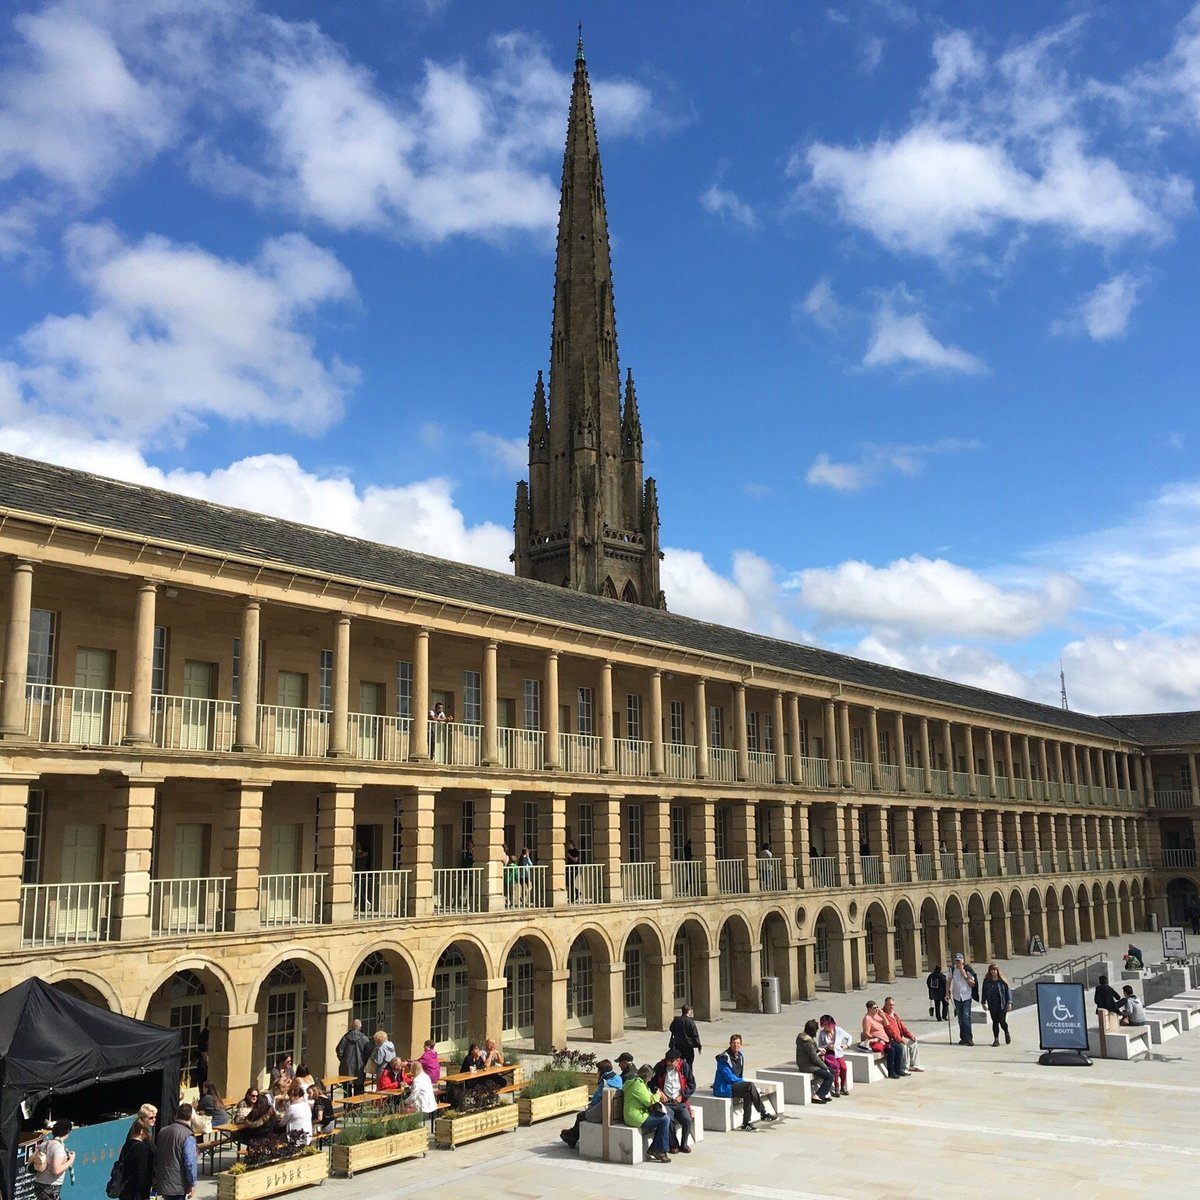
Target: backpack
(116, 1181)
(39, 1160)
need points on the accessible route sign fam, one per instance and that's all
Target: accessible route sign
(1062, 1016)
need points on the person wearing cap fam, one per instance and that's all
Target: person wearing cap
(626, 1067)
(964, 989)
(674, 1081)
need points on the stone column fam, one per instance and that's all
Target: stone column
(794, 737)
(335, 851)
(608, 748)
(926, 756)
(418, 740)
(908, 841)
(901, 755)
(550, 1012)
(740, 742)
(989, 756)
(777, 739)
(485, 1005)
(14, 815)
(608, 1001)
(1148, 781)
(1058, 768)
(16, 652)
(1026, 764)
(783, 842)
(1110, 761)
(656, 813)
(416, 848)
(340, 728)
(969, 739)
(231, 1050)
(831, 743)
(248, 681)
(552, 843)
(1087, 768)
(878, 836)
(1044, 765)
(801, 841)
(606, 839)
(873, 747)
(414, 1015)
(491, 706)
(850, 843)
(138, 729)
(701, 722)
(657, 757)
(1009, 771)
(327, 1021)
(550, 710)
(706, 810)
(847, 771)
(1195, 784)
(488, 835)
(243, 849)
(948, 750)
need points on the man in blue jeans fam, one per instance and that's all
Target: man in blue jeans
(964, 989)
(175, 1157)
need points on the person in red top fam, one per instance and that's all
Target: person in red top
(899, 1032)
(390, 1077)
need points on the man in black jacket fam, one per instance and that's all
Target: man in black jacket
(935, 985)
(685, 1035)
(1106, 997)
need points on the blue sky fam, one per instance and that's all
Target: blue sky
(908, 289)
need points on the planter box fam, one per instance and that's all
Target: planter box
(274, 1179)
(450, 1132)
(364, 1155)
(590, 1080)
(541, 1108)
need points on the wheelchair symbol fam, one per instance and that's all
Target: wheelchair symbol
(1061, 1012)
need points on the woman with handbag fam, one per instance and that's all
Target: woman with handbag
(133, 1173)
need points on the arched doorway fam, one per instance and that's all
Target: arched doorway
(591, 1003)
(81, 990)
(956, 926)
(778, 957)
(832, 967)
(905, 943)
(635, 976)
(877, 937)
(1083, 911)
(1139, 905)
(373, 995)
(1037, 927)
(693, 982)
(998, 917)
(1183, 898)
(1099, 915)
(1112, 909)
(1017, 923)
(977, 928)
(1126, 907)
(450, 1015)
(1054, 938)
(1069, 923)
(286, 1021)
(519, 1007)
(741, 972)
(932, 947)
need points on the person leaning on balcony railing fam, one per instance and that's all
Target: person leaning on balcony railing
(572, 856)
(438, 713)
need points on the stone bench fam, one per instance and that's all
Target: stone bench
(1123, 1042)
(1188, 1010)
(796, 1086)
(1163, 1025)
(718, 1110)
(866, 1066)
(611, 1140)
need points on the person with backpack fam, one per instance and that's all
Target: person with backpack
(50, 1162)
(132, 1175)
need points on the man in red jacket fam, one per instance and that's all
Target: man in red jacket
(674, 1080)
(899, 1032)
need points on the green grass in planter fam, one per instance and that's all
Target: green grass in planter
(372, 1131)
(548, 1080)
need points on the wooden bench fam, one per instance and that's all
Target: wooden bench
(1123, 1042)
(718, 1110)
(866, 1066)
(611, 1140)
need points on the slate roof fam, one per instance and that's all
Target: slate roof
(54, 492)
(1160, 729)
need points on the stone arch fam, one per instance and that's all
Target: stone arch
(998, 922)
(1111, 909)
(977, 929)
(629, 593)
(877, 940)
(741, 973)
(1054, 934)
(1070, 926)
(830, 951)
(778, 954)
(381, 987)
(647, 988)
(1138, 904)
(292, 997)
(694, 969)
(1034, 915)
(1018, 921)
(594, 985)
(1123, 900)
(956, 926)
(932, 933)
(1083, 908)
(86, 985)
(610, 588)
(1099, 915)
(906, 945)
(529, 1003)
(460, 978)
(1181, 894)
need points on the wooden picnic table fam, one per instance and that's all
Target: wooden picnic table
(340, 1081)
(486, 1073)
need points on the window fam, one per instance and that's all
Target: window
(585, 725)
(803, 737)
(43, 638)
(679, 834)
(325, 682)
(397, 835)
(715, 725)
(633, 717)
(676, 723)
(910, 759)
(404, 688)
(35, 817)
(885, 747)
(583, 843)
(1185, 775)
(158, 669)
(856, 752)
(633, 832)
(472, 698)
(768, 733)
(752, 732)
(530, 828)
(235, 673)
(531, 704)
(468, 825)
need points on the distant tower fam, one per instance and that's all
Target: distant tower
(585, 518)
(1062, 679)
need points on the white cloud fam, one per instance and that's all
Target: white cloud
(751, 599)
(871, 54)
(723, 203)
(933, 596)
(903, 339)
(175, 335)
(822, 306)
(956, 61)
(876, 462)
(508, 456)
(1103, 314)
(1146, 671)
(973, 665)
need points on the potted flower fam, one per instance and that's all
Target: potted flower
(551, 1092)
(368, 1144)
(582, 1061)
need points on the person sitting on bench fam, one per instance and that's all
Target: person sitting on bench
(1133, 1012)
(1105, 996)
(610, 1079)
(729, 1082)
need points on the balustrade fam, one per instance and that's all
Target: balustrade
(679, 761)
(773, 874)
(75, 716)
(1011, 863)
(291, 899)
(687, 879)
(823, 871)
(586, 884)
(762, 767)
(899, 866)
(872, 869)
(949, 866)
(460, 890)
(924, 867)
(639, 881)
(66, 914)
(814, 772)
(294, 732)
(184, 906)
(970, 865)
(521, 749)
(191, 723)
(731, 876)
(633, 757)
(377, 738)
(526, 887)
(889, 778)
(380, 895)
(722, 765)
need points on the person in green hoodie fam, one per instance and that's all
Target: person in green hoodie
(638, 1098)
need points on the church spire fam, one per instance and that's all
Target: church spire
(586, 513)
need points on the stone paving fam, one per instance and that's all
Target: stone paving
(979, 1121)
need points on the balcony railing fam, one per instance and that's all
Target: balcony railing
(814, 772)
(860, 775)
(889, 777)
(75, 716)
(639, 881)
(924, 867)
(1029, 862)
(872, 868)
(687, 879)
(1064, 860)
(633, 757)
(186, 906)
(915, 777)
(521, 749)
(961, 783)
(190, 723)
(291, 899)
(66, 914)
(970, 865)
(1003, 790)
(455, 743)
(772, 874)
(586, 884)
(991, 862)
(579, 753)
(380, 895)
(1046, 862)
(679, 760)
(949, 866)
(526, 887)
(377, 738)
(762, 767)
(722, 765)
(459, 889)
(1020, 789)
(1011, 863)
(294, 732)
(1175, 798)
(731, 876)
(899, 866)
(941, 783)
(823, 871)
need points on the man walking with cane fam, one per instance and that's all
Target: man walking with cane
(964, 989)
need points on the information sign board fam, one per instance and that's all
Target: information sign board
(1174, 942)
(1062, 1016)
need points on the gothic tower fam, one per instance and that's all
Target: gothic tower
(585, 519)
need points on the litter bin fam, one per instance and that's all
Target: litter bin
(770, 995)
(1151, 923)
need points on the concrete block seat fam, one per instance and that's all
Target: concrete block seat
(1163, 1025)
(611, 1140)
(1188, 1010)
(866, 1066)
(795, 1085)
(1123, 1042)
(719, 1110)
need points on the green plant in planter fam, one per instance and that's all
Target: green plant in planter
(372, 1131)
(550, 1079)
(575, 1060)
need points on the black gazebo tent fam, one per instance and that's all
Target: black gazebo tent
(55, 1045)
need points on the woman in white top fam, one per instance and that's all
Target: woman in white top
(420, 1091)
(834, 1040)
(299, 1114)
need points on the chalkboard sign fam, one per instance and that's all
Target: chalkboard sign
(1036, 945)
(23, 1184)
